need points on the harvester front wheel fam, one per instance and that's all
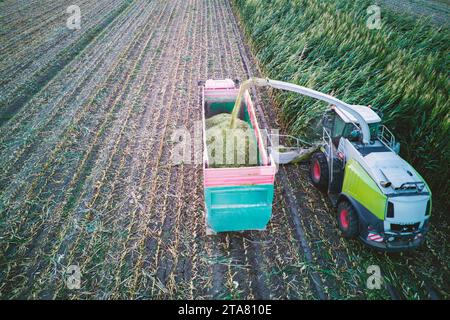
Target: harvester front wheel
(347, 219)
(318, 171)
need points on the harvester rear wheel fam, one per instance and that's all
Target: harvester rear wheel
(318, 171)
(347, 219)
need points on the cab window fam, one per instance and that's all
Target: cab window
(338, 127)
(328, 120)
(338, 130)
(374, 130)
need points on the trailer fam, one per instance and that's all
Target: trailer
(236, 198)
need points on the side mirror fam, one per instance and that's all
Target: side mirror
(396, 147)
(326, 121)
(328, 118)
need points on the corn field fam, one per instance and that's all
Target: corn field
(86, 119)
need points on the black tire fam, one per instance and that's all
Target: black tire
(318, 171)
(347, 219)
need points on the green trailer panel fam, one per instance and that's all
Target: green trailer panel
(359, 185)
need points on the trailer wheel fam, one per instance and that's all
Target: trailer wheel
(318, 171)
(347, 219)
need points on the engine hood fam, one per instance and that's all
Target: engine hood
(394, 175)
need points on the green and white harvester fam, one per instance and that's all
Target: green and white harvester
(380, 198)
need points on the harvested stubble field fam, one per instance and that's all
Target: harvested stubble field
(85, 177)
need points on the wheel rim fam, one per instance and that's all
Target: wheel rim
(316, 170)
(343, 216)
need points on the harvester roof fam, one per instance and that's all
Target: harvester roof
(367, 113)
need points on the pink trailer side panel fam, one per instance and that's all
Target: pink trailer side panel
(214, 177)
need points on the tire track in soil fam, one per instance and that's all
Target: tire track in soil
(321, 227)
(288, 268)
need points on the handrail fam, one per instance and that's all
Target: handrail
(387, 137)
(330, 152)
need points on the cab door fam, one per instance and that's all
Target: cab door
(336, 162)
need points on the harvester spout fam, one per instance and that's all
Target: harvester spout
(258, 82)
(303, 91)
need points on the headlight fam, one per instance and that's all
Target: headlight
(390, 210)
